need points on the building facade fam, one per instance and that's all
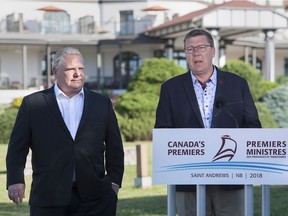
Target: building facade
(117, 36)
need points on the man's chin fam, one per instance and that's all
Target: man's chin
(77, 85)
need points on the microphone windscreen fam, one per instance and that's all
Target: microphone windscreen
(219, 102)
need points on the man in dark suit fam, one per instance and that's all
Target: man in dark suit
(77, 151)
(206, 97)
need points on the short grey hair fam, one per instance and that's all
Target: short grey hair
(61, 54)
(199, 32)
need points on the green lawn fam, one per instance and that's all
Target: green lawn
(138, 202)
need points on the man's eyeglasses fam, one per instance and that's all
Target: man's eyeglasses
(201, 48)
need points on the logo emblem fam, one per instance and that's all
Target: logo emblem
(227, 150)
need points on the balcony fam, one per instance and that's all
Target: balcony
(85, 25)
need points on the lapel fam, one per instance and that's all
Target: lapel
(219, 91)
(51, 101)
(85, 113)
(220, 83)
(190, 93)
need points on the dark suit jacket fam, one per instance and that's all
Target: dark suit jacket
(234, 107)
(97, 150)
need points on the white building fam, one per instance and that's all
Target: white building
(116, 36)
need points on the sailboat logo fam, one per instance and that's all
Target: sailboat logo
(227, 149)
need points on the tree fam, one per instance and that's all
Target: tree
(277, 102)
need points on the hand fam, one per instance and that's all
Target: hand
(115, 188)
(16, 192)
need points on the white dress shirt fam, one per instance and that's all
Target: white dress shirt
(71, 109)
(205, 97)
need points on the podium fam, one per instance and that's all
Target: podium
(218, 156)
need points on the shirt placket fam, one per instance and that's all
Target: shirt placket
(72, 117)
(206, 112)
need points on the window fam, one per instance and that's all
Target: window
(125, 65)
(126, 23)
(258, 62)
(179, 57)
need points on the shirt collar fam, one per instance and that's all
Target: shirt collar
(58, 91)
(213, 77)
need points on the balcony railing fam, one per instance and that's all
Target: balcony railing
(128, 28)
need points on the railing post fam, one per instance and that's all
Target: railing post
(249, 201)
(265, 205)
(171, 200)
(201, 200)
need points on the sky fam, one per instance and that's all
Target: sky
(30, 12)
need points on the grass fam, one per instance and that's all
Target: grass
(138, 202)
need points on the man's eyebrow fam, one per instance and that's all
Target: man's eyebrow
(69, 68)
(73, 68)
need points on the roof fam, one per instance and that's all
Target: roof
(190, 16)
(232, 19)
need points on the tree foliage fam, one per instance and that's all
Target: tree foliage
(265, 116)
(282, 79)
(277, 102)
(153, 73)
(16, 102)
(8, 116)
(6, 124)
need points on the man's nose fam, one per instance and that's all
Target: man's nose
(77, 72)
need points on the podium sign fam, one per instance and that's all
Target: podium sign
(220, 156)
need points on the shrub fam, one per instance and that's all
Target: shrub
(139, 128)
(131, 104)
(16, 102)
(153, 73)
(267, 86)
(137, 115)
(2, 109)
(6, 124)
(265, 116)
(276, 101)
(282, 80)
(8, 117)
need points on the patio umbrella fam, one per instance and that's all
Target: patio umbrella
(155, 8)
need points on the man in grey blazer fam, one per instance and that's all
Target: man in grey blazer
(206, 97)
(77, 151)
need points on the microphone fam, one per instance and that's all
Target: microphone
(221, 104)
